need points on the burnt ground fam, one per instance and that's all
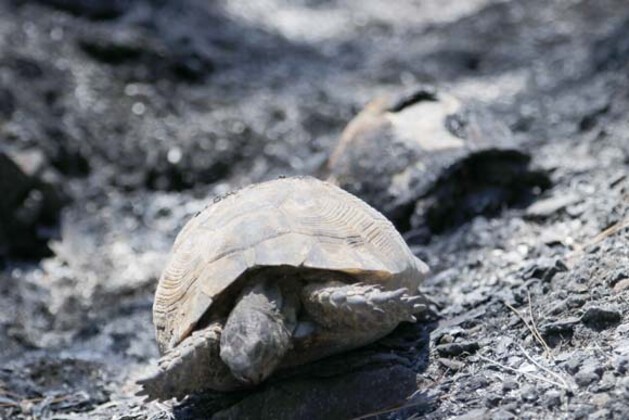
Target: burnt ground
(138, 112)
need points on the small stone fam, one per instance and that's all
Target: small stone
(582, 412)
(573, 365)
(558, 308)
(621, 286)
(575, 301)
(547, 207)
(607, 383)
(617, 275)
(476, 382)
(32, 162)
(509, 386)
(445, 335)
(492, 400)
(599, 318)
(502, 414)
(476, 414)
(588, 375)
(502, 345)
(600, 415)
(579, 287)
(529, 393)
(446, 339)
(621, 364)
(544, 269)
(552, 399)
(601, 400)
(451, 364)
(457, 349)
(564, 327)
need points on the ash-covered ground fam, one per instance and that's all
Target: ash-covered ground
(132, 115)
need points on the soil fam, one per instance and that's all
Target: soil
(139, 112)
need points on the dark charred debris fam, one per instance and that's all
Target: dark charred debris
(119, 120)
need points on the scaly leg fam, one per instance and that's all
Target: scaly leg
(337, 305)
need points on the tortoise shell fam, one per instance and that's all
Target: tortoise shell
(294, 222)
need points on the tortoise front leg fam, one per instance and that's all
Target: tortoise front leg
(193, 366)
(336, 305)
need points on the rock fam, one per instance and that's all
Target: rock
(580, 286)
(602, 399)
(555, 332)
(117, 48)
(552, 398)
(509, 385)
(451, 364)
(590, 372)
(477, 382)
(528, 393)
(492, 400)
(600, 318)
(621, 364)
(29, 209)
(139, 57)
(621, 286)
(457, 349)
(476, 414)
(607, 383)
(575, 301)
(502, 414)
(584, 378)
(428, 161)
(573, 364)
(445, 339)
(31, 162)
(544, 269)
(583, 411)
(547, 207)
(600, 414)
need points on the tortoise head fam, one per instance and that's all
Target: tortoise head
(257, 333)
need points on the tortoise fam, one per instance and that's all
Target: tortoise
(430, 161)
(275, 275)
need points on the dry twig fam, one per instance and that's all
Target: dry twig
(530, 375)
(536, 333)
(613, 229)
(545, 369)
(533, 331)
(616, 227)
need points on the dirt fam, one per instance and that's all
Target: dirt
(142, 111)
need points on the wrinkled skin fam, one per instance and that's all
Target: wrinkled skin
(258, 332)
(260, 328)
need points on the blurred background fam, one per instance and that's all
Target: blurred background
(121, 119)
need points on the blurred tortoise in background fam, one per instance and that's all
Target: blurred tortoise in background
(276, 275)
(429, 161)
